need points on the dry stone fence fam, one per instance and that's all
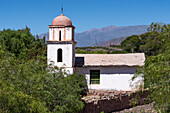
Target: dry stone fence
(109, 101)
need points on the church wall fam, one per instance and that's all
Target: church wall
(111, 78)
(56, 31)
(50, 34)
(54, 34)
(68, 31)
(66, 34)
(67, 55)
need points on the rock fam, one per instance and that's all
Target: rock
(112, 94)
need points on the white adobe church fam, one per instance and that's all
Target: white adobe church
(103, 71)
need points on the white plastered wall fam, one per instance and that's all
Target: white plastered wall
(66, 34)
(50, 33)
(56, 30)
(67, 55)
(111, 78)
(68, 31)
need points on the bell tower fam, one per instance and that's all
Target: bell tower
(61, 44)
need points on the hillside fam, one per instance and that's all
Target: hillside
(115, 41)
(98, 36)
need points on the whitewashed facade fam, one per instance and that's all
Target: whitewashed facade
(116, 70)
(111, 78)
(102, 71)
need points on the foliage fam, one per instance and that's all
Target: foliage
(156, 74)
(29, 87)
(65, 90)
(38, 48)
(16, 41)
(27, 84)
(79, 51)
(151, 43)
(117, 46)
(22, 43)
(131, 44)
(99, 50)
(156, 71)
(15, 87)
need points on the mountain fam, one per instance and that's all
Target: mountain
(97, 36)
(115, 41)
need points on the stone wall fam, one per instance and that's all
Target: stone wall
(110, 101)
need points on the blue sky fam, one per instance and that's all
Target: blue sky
(85, 14)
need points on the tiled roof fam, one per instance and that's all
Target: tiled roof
(62, 20)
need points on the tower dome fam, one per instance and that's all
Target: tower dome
(62, 21)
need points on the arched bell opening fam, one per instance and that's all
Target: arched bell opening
(59, 35)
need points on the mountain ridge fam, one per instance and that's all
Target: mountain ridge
(97, 36)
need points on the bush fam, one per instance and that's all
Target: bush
(30, 87)
(27, 84)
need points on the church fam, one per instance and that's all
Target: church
(102, 71)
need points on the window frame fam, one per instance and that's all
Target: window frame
(95, 78)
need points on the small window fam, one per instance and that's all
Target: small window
(59, 35)
(94, 76)
(59, 55)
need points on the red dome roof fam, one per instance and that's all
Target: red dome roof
(62, 20)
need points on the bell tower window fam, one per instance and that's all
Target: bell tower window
(59, 35)
(59, 55)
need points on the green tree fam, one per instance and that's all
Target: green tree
(22, 43)
(156, 74)
(154, 41)
(151, 43)
(16, 41)
(32, 87)
(15, 87)
(80, 51)
(27, 84)
(131, 43)
(156, 71)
